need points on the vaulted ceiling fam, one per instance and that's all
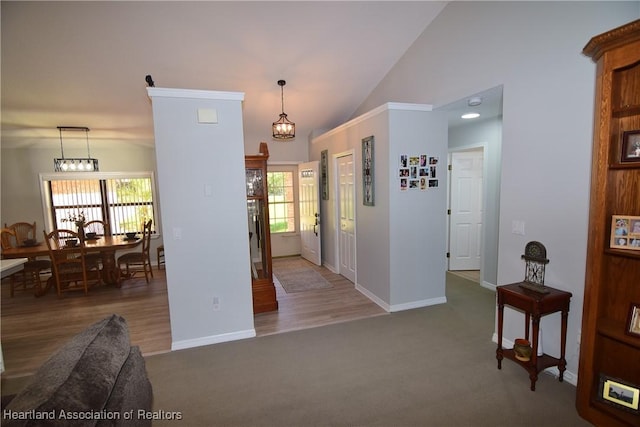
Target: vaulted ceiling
(84, 63)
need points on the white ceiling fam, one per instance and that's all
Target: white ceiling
(84, 63)
(490, 106)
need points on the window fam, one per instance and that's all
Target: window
(124, 200)
(282, 212)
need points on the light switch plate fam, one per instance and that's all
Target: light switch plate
(517, 227)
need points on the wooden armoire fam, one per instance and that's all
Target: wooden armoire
(609, 373)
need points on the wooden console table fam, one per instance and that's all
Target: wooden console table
(535, 305)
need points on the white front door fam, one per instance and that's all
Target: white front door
(309, 206)
(465, 239)
(347, 215)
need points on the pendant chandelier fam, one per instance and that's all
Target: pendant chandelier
(78, 164)
(283, 129)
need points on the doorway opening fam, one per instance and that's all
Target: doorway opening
(476, 144)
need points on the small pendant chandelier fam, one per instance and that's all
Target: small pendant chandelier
(78, 164)
(283, 129)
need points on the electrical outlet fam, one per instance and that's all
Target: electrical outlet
(216, 304)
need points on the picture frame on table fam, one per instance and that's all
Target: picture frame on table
(368, 178)
(633, 320)
(630, 150)
(618, 393)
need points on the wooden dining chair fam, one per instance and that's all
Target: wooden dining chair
(134, 262)
(70, 267)
(23, 231)
(33, 270)
(101, 228)
(160, 256)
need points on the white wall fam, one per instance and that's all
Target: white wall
(534, 50)
(204, 210)
(21, 199)
(401, 240)
(418, 219)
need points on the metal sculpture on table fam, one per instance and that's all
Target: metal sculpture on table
(535, 257)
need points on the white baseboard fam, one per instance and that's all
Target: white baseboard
(488, 285)
(400, 307)
(568, 376)
(418, 304)
(374, 298)
(213, 339)
(330, 267)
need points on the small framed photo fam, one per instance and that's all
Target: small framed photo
(630, 147)
(633, 320)
(625, 232)
(615, 392)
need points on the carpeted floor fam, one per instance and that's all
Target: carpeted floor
(433, 366)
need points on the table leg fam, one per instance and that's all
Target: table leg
(533, 373)
(40, 291)
(499, 355)
(110, 273)
(562, 364)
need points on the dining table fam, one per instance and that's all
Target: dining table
(105, 245)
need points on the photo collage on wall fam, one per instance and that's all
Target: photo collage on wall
(418, 172)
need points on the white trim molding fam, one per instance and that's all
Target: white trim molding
(213, 339)
(194, 94)
(372, 113)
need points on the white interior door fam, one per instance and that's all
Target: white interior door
(465, 239)
(309, 206)
(347, 215)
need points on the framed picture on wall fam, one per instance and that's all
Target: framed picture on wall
(633, 320)
(324, 174)
(625, 232)
(630, 147)
(368, 190)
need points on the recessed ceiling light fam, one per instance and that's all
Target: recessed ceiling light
(470, 116)
(474, 101)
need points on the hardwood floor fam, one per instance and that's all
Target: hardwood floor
(33, 328)
(301, 310)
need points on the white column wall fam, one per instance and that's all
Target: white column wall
(202, 191)
(401, 241)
